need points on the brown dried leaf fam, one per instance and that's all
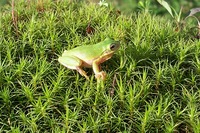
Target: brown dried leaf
(194, 11)
(89, 29)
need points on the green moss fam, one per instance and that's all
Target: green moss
(152, 84)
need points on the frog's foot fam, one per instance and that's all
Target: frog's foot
(101, 75)
(82, 72)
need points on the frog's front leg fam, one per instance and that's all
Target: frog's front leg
(98, 74)
(73, 62)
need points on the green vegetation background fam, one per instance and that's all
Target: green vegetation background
(152, 84)
(132, 5)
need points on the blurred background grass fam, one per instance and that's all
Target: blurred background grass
(155, 7)
(128, 6)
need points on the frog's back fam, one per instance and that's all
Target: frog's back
(88, 52)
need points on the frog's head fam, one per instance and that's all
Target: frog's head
(111, 45)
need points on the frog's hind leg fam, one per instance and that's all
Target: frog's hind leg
(82, 72)
(72, 62)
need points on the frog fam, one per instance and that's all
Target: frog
(90, 56)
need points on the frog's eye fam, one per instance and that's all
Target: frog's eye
(113, 46)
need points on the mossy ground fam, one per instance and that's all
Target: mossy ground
(152, 81)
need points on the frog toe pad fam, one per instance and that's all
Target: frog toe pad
(101, 75)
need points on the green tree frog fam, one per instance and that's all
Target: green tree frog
(90, 56)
